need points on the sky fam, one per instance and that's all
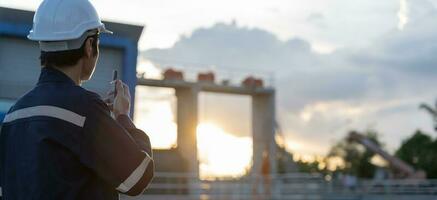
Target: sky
(364, 65)
(326, 24)
(337, 64)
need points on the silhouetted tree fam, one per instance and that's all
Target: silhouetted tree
(432, 111)
(356, 157)
(285, 161)
(419, 151)
(310, 167)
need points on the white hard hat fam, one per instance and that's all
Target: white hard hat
(61, 25)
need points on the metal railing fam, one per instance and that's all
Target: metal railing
(299, 186)
(296, 186)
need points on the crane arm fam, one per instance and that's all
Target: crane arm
(394, 161)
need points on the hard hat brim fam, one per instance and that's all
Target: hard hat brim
(103, 29)
(52, 46)
(106, 31)
(67, 36)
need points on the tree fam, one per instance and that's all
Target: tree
(286, 163)
(432, 111)
(357, 159)
(310, 167)
(420, 152)
(284, 160)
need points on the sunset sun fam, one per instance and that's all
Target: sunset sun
(222, 154)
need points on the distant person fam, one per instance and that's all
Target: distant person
(266, 175)
(59, 141)
(262, 180)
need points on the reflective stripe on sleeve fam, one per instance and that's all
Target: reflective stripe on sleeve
(135, 176)
(48, 111)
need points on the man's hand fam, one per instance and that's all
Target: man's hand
(121, 103)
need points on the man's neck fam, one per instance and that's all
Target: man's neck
(73, 72)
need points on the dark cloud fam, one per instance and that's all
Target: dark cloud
(235, 47)
(412, 49)
(302, 88)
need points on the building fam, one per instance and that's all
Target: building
(19, 62)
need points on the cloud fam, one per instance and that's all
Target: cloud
(235, 47)
(316, 19)
(322, 96)
(413, 10)
(402, 14)
(410, 50)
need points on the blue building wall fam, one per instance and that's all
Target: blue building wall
(127, 45)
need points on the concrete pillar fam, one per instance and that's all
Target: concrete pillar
(187, 125)
(263, 128)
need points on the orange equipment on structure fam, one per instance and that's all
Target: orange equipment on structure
(206, 77)
(252, 82)
(171, 74)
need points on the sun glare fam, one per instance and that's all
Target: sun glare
(222, 154)
(154, 114)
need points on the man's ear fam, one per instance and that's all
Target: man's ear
(89, 47)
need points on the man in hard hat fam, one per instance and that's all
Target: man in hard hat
(60, 141)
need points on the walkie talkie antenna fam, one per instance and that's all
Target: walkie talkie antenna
(114, 78)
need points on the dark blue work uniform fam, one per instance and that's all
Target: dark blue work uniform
(59, 141)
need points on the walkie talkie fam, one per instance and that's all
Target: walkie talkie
(114, 78)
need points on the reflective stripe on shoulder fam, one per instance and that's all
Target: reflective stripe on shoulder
(135, 176)
(48, 111)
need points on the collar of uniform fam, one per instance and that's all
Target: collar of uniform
(49, 74)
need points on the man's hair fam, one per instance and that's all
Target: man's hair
(66, 58)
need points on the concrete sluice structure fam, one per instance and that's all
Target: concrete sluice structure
(183, 159)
